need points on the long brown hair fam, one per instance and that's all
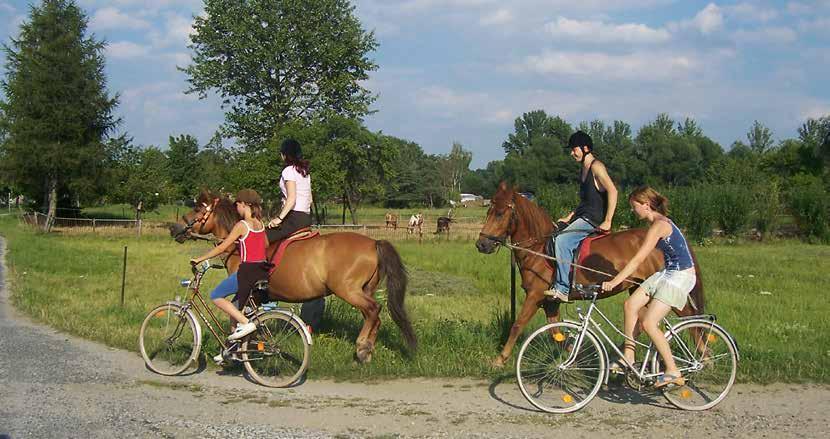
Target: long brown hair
(647, 195)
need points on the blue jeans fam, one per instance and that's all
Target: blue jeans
(225, 288)
(566, 243)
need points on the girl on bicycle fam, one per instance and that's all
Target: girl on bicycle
(249, 235)
(662, 291)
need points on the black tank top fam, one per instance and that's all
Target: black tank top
(593, 204)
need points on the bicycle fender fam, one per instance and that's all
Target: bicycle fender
(708, 321)
(294, 317)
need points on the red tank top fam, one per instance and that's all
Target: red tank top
(252, 245)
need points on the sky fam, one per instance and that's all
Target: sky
(464, 70)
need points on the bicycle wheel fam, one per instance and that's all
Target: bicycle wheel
(708, 360)
(551, 376)
(277, 354)
(168, 340)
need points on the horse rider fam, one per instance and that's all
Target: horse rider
(597, 202)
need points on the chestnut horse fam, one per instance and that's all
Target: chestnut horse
(349, 265)
(528, 226)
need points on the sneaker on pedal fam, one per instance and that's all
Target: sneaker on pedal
(219, 359)
(242, 330)
(553, 293)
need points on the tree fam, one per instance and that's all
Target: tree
(57, 112)
(275, 61)
(760, 138)
(181, 155)
(452, 169)
(143, 178)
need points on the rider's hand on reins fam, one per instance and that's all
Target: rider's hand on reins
(276, 222)
(194, 261)
(609, 285)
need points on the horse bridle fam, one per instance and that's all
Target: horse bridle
(502, 239)
(203, 217)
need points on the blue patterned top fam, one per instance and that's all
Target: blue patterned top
(675, 249)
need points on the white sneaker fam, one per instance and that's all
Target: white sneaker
(218, 359)
(556, 294)
(242, 330)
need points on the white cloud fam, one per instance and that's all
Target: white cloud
(820, 25)
(126, 50)
(815, 110)
(707, 21)
(600, 32)
(112, 18)
(7, 8)
(767, 35)
(751, 12)
(497, 17)
(598, 65)
(176, 32)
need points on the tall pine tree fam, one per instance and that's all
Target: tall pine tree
(57, 111)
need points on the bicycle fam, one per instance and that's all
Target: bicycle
(562, 365)
(275, 355)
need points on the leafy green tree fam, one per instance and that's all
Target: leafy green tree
(213, 161)
(276, 61)
(184, 168)
(143, 178)
(759, 137)
(57, 112)
(452, 169)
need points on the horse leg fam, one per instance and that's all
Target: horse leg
(531, 304)
(364, 345)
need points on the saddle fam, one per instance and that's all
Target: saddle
(299, 235)
(581, 253)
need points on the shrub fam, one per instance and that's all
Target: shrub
(766, 198)
(732, 206)
(558, 200)
(691, 209)
(808, 203)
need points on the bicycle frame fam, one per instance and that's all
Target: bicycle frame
(587, 323)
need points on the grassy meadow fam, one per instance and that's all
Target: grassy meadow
(767, 294)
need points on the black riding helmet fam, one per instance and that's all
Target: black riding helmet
(578, 139)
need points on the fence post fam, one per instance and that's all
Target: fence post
(93, 225)
(123, 276)
(512, 286)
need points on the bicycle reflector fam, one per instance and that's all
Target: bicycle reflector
(185, 283)
(260, 346)
(560, 337)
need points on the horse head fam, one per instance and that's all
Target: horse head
(512, 216)
(211, 214)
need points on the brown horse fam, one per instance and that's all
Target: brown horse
(349, 265)
(391, 220)
(528, 226)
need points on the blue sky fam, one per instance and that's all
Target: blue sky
(463, 70)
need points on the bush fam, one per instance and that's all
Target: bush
(732, 206)
(624, 216)
(558, 200)
(691, 209)
(766, 198)
(808, 203)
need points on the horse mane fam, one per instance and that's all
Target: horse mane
(538, 222)
(226, 214)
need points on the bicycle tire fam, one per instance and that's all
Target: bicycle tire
(556, 389)
(169, 340)
(277, 354)
(709, 366)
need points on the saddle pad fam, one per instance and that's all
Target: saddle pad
(585, 246)
(301, 235)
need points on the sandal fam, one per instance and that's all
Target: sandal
(669, 379)
(617, 367)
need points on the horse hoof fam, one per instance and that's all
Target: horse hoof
(498, 363)
(364, 356)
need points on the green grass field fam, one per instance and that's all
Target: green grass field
(768, 295)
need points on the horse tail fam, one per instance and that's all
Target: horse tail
(696, 294)
(391, 267)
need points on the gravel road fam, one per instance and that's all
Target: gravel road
(56, 385)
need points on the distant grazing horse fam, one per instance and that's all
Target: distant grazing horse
(415, 223)
(528, 226)
(392, 220)
(443, 225)
(347, 264)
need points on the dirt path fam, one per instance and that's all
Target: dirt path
(55, 385)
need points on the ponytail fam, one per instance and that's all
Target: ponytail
(647, 195)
